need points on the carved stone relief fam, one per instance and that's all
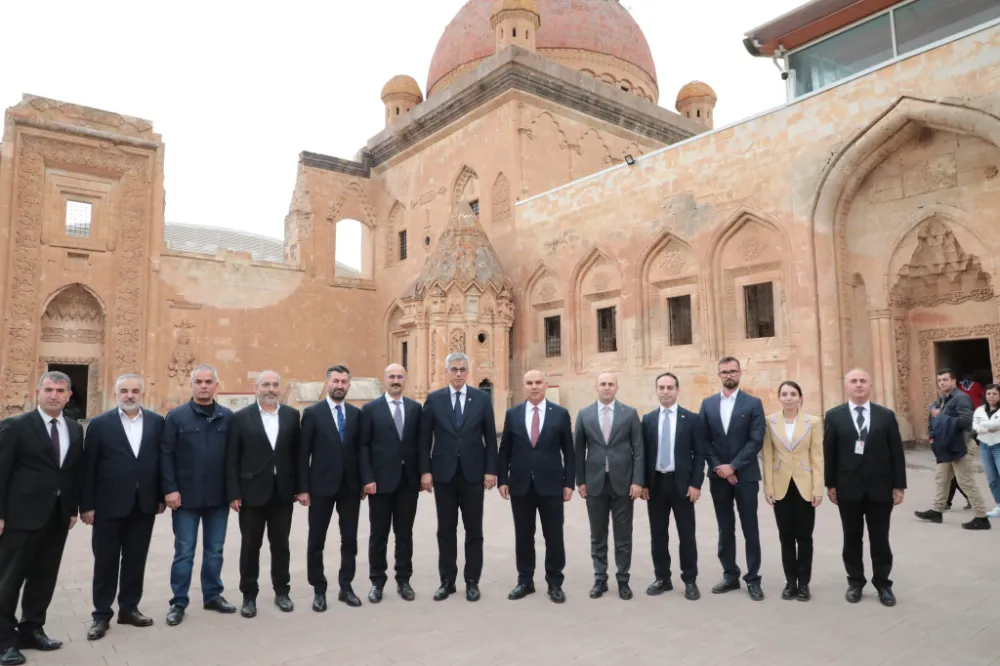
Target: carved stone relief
(751, 249)
(182, 358)
(457, 344)
(901, 335)
(501, 199)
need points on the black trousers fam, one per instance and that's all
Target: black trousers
(666, 498)
(620, 509)
(122, 543)
(550, 510)
(744, 496)
(29, 558)
(796, 518)
(955, 488)
(396, 510)
(450, 497)
(348, 505)
(853, 517)
(276, 518)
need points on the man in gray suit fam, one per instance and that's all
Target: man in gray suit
(609, 472)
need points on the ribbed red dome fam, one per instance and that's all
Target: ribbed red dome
(601, 26)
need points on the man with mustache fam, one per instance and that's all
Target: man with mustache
(121, 499)
(390, 438)
(262, 459)
(330, 478)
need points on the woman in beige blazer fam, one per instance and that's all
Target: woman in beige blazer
(793, 485)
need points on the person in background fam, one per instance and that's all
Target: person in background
(793, 485)
(973, 389)
(986, 424)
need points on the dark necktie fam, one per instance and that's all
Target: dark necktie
(54, 432)
(340, 421)
(535, 426)
(398, 418)
(457, 414)
(862, 429)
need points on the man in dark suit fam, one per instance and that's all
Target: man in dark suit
(733, 426)
(40, 478)
(458, 459)
(330, 478)
(675, 470)
(121, 499)
(390, 446)
(262, 461)
(610, 467)
(537, 475)
(865, 474)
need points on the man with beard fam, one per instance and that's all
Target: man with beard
(40, 467)
(329, 478)
(193, 476)
(733, 425)
(121, 499)
(262, 460)
(458, 425)
(390, 438)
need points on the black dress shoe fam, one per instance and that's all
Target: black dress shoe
(12, 657)
(930, 516)
(135, 618)
(37, 640)
(98, 630)
(348, 597)
(220, 605)
(284, 603)
(789, 592)
(659, 586)
(175, 615)
(977, 524)
(726, 586)
(319, 603)
(406, 592)
(249, 608)
(624, 591)
(691, 592)
(803, 593)
(853, 595)
(755, 592)
(472, 592)
(600, 587)
(521, 591)
(375, 594)
(446, 590)
(556, 594)
(886, 597)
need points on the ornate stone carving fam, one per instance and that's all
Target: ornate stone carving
(501, 199)
(936, 173)
(466, 178)
(928, 336)
(751, 249)
(433, 354)
(601, 281)
(455, 308)
(85, 336)
(354, 189)
(901, 335)
(990, 172)
(393, 227)
(672, 261)
(457, 342)
(75, 304)
(547, 292)
(182, 357)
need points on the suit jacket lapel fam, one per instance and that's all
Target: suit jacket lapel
(716, 412)
(146, 440)
(328, 416)
(387, 411)
(595, 416)
(617, 416)
(44, 438)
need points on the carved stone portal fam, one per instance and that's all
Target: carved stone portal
(928, 337)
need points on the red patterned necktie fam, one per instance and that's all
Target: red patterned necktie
(535, 426)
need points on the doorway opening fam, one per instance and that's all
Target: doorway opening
(486, 386)
(76, 408)
(968, 359)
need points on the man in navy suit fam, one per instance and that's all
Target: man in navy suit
(458, 460)
(733, 424)
(675, 470)
(121, 499)
(536, 475)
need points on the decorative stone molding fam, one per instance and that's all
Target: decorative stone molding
(94, 398)
(927, 337)
(502, 208)
(182, 358)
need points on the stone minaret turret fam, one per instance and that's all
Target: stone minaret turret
(515, 22)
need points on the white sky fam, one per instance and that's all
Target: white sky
(237, 93)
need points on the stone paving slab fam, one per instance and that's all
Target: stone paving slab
(947, 581)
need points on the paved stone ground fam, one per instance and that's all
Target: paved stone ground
(946, 580)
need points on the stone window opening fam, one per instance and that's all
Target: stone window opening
(698, 113)
(78, 217)
(513, 32)
(679, 327)
(402, 245)
(607, 335)
(758, 302)
(553, 337)
(404, 355)
(475, 207)
(527, 34)
(481, 338)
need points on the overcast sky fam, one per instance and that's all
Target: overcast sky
(236, 93)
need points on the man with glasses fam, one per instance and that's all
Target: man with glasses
(458, 460)
(733, 426)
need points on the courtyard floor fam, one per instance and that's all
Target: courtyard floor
(947, 581)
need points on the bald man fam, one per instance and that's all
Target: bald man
(390, 442)
(536, 475)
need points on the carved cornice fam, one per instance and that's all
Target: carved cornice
(361, 169)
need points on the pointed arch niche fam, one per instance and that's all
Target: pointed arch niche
(400, 345)
(599, 340)
(353, 224)
(547, 320)
(397, 241)
(466, 189)
(670, 312)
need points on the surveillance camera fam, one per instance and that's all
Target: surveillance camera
(784, 76)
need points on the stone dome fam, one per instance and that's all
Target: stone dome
(464, 256)
(402, 85)
(568, 27)
(696, 89)
(512, 5)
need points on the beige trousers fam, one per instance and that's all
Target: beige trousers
(963, 470)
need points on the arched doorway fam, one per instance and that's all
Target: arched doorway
(72, 341)
(486, 386)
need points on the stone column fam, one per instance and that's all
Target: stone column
(884, 357)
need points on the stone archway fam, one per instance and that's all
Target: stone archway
(73, 329)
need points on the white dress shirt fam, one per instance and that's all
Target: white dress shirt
(611, 413)
(270, 420)
(529, 414)
(392, 408)
(63, 432)
(673, 438)
(726, 406)
(789, 431)
(333, 409)
(867, 412)
(451, 396)
(133, 429)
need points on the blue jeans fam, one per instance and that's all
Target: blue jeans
(214, 521)
(991, 465)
